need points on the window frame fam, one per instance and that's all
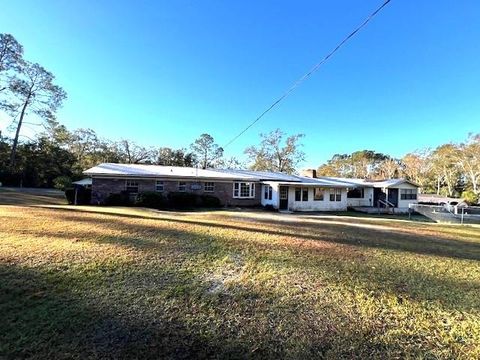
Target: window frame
(267, 192)
(301, 194)
(210, 187)
(129, 186)
(298, 194)
(305, 193)
(408, 194)
(159, 183)
(240, 187)
(362, 193)
(335, 195)
(322, 193)
(180, 187)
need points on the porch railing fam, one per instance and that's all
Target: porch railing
(387, 204)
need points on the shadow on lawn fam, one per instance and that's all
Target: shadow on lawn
(422, 244)
(44, 315)
(302, 254)
(137, 310)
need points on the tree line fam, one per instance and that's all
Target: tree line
(30, 97)
(451, 169)
(56, 152)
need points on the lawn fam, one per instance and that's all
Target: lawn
(31, 196)
(92, 282)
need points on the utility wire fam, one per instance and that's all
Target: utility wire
(310, 73)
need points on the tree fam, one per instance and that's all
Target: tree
(170, 157)
(47, 161)
(39, 162)
(83, 143)
(5, 149)
(230, 163)
(274, 154)
(338, 165)
(132, 153)
(470, 197)
(468, 160)
(206, 151)
(365, 163)
(445, 168)
(389, 169)
(11, 53)
(34, 92)
(359, 164)
(416, 167)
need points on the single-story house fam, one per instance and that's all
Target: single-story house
(251, 188)
(394, 193)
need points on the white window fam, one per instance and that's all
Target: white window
(357, 193)
(408, 194)
(159, 185)
(318, 194)
(268, 192)
(209, 187)
(335, 194)
(301, 194)
(131, 186)
(243, 190)
(182, 186)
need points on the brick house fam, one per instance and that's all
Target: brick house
(232, 187)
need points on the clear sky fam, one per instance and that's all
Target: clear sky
(163, 72)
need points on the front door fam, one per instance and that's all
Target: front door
(378, 194)
(393, 197)
(283, 205)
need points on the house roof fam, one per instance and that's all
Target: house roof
(319, 182)
(262, 175)
(124, 170)
(156, 171)
(375, 183)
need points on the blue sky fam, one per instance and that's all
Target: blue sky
(163, 72)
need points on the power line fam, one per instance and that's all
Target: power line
(311, 72)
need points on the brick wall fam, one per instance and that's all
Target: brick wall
(102, 187)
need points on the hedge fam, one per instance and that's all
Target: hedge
(151, 199)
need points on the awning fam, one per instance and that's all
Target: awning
(83, 182)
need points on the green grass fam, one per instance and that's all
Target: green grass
(31, 196)
(92, 282)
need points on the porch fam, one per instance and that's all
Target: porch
(302, 196)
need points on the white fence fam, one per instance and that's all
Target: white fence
(448, 213)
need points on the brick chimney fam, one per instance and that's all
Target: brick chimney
(311, 173)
